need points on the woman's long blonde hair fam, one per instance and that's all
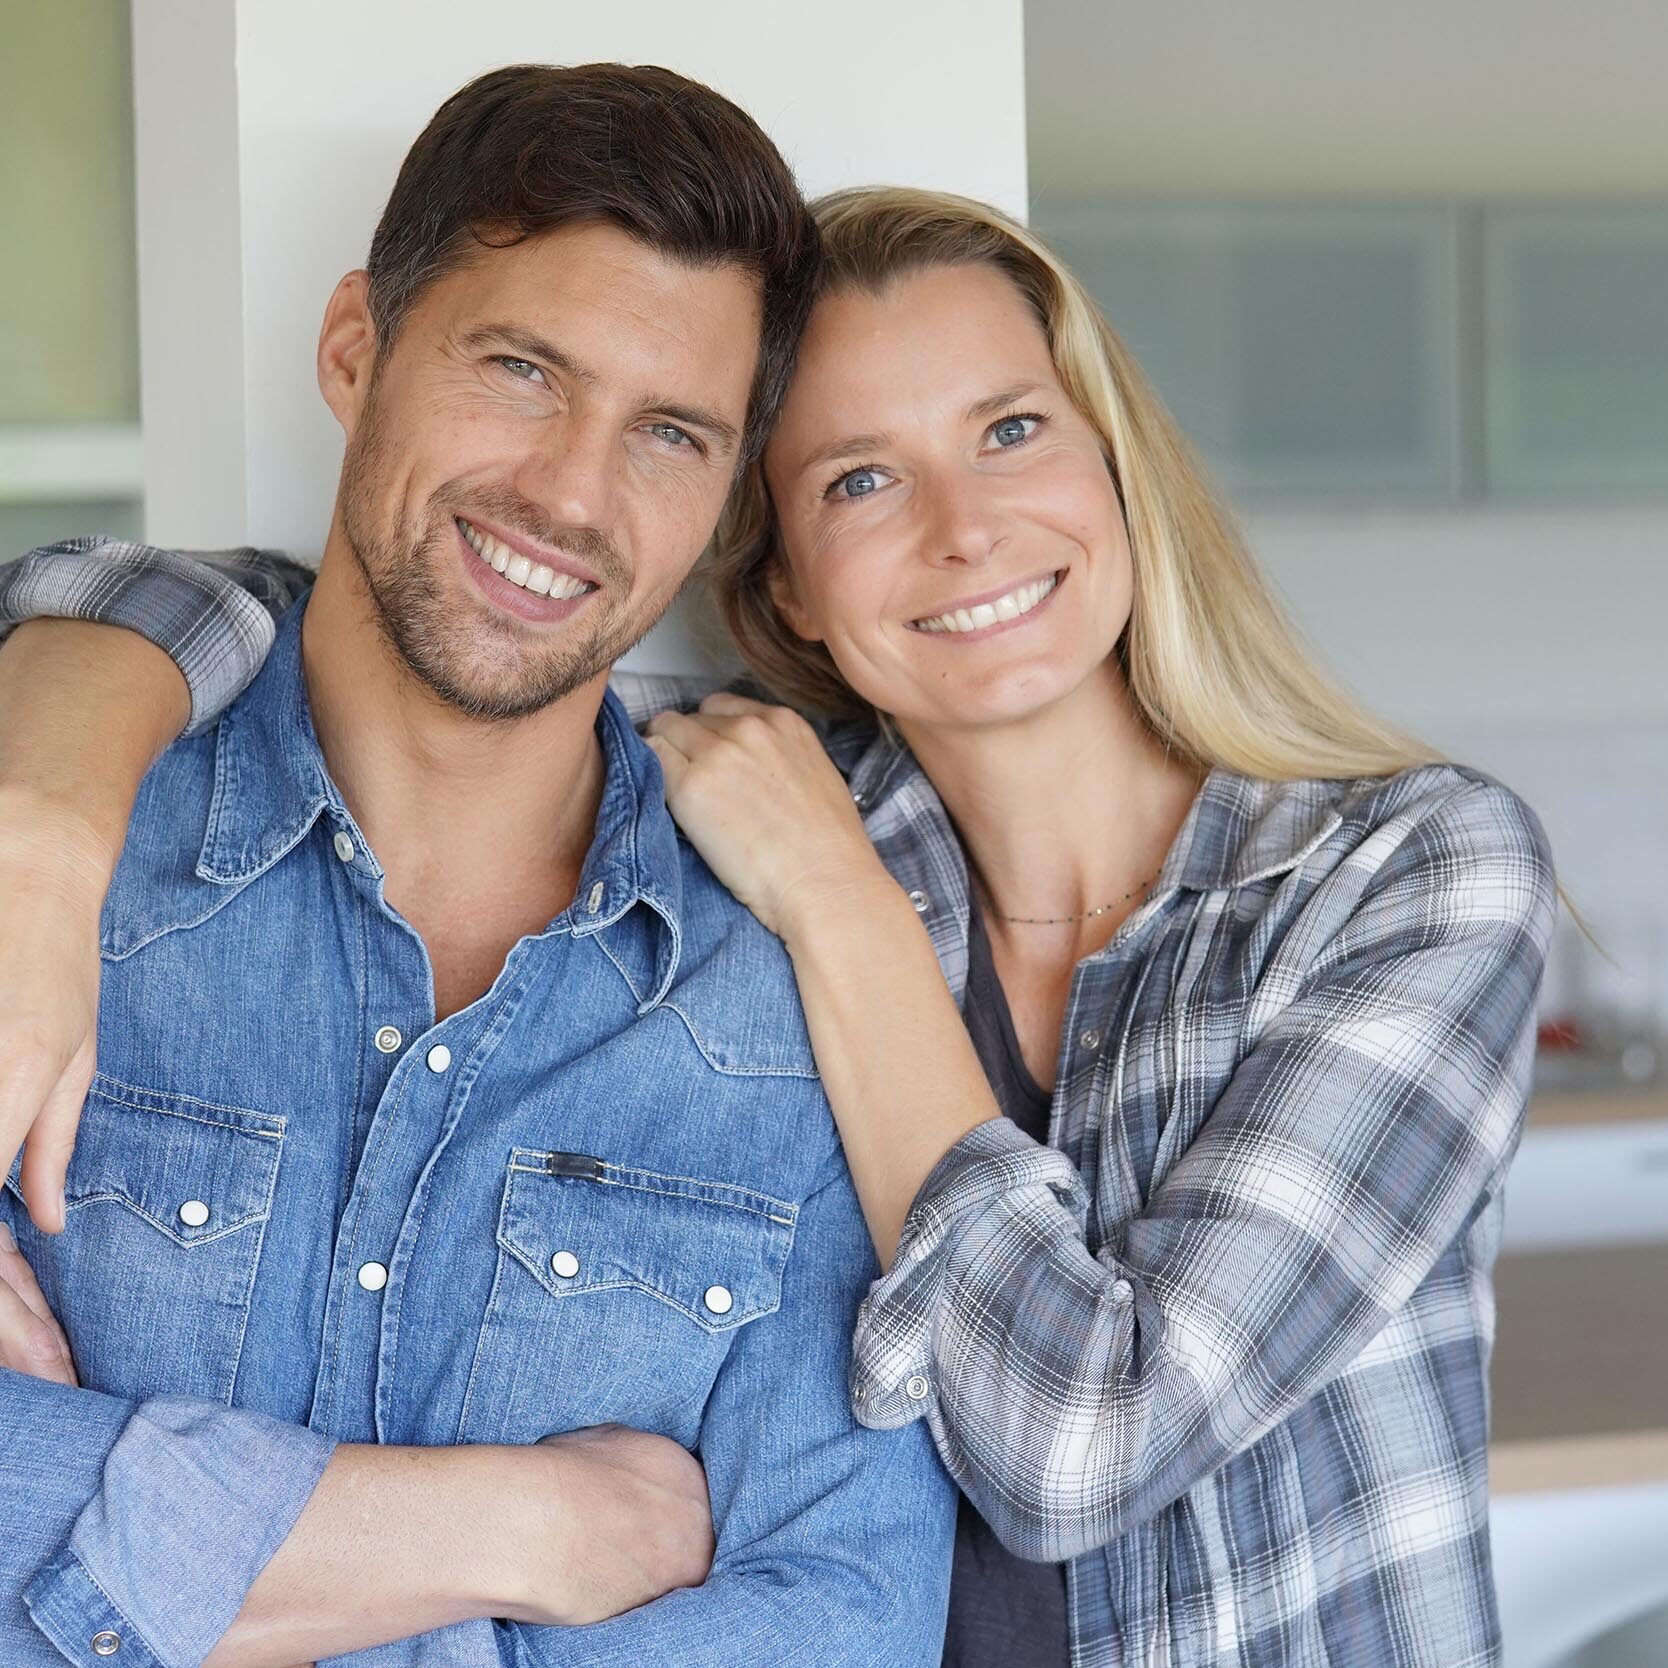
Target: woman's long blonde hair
(1212, 663)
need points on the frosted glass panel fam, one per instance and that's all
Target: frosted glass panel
(1576, 361)
(1308, 351)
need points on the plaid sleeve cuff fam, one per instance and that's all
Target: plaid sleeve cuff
(214, 629)
(892, 1374)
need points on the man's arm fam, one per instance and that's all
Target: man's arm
(177, 1522)
(833, 1541)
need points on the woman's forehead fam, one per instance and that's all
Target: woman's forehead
(945, 337)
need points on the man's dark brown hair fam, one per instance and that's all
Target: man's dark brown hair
(523, 150)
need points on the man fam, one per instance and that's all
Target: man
(446, 1102)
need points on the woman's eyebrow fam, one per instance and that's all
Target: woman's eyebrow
(853, 445)
(995, 404)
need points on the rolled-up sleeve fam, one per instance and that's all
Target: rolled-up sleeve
(1074, 1395)
(134, 1531)
(211, 612)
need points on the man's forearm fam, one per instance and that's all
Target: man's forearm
(393, 1542)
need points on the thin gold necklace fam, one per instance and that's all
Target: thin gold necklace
(1144, 890)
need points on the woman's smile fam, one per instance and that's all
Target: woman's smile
(973, 619)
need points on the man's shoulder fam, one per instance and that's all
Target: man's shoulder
(156, 886)
(735, 983)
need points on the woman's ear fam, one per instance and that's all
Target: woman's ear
(347, 349)
(785, 595)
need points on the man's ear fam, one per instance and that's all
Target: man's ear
(347, 349)
(785, 595)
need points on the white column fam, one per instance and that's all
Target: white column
(270, 131)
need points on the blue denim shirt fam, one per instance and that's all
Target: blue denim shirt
(301, 1211)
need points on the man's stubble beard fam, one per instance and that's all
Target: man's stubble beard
(443, 651)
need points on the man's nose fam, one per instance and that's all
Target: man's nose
(572, 472)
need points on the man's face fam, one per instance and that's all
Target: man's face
(540, 457)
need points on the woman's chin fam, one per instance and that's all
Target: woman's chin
(1000, 699)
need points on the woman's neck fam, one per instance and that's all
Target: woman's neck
(1063, 813)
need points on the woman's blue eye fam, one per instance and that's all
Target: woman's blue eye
(1012, 431)
(856, 483)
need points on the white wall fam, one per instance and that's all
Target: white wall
(269, 135)
(1341, 97)
(1457, 621)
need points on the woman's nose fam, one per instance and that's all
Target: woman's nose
(963, 526)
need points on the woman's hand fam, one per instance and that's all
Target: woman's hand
(53, 874)
(759, 799)
(31, 1340)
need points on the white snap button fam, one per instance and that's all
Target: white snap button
(1123, 1293)
(106, 1644)
(594, 902)
(859, 798)
(388, 1039)
(344, 847)
(1090, 1040)
(194, 1213)
(565, 1264)
(439, 1057)
(916, 1388)
(919, 901)
(373, 1276)
(718, 1300)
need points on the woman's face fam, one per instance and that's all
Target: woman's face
(951, 527)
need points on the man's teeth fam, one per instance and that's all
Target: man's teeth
(543, 580)
(1008, 607)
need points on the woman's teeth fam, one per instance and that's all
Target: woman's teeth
(543, 580)
(1008, 607)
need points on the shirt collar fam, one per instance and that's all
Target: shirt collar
(271, 786)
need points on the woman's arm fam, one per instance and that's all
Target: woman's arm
(70, 766)
(148, 642)
(752, 788)
(1073, 1395)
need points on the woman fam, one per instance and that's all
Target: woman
(1188, 1229)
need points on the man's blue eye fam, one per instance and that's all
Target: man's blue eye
(524, 369)
(672, 433)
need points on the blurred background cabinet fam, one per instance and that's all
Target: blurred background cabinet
(1405, 353)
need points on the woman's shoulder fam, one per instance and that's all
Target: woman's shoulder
(1433, 825)
(1448, 802)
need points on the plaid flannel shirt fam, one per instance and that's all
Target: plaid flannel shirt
(1223, 1343)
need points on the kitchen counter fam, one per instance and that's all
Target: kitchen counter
(1580, 1375)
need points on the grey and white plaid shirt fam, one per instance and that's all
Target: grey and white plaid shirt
(1223, 1343)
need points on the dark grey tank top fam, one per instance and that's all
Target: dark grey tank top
(1004, 1612)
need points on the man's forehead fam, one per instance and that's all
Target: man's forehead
(598, 293)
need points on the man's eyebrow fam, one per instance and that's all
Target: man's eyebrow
(529, 344)
(724, 434)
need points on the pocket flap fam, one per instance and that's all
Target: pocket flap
(191, 1169)
(712, 1250)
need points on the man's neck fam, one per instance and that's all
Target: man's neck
(480, 825)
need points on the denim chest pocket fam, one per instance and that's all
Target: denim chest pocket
(167, 1203)
(617, 1294)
